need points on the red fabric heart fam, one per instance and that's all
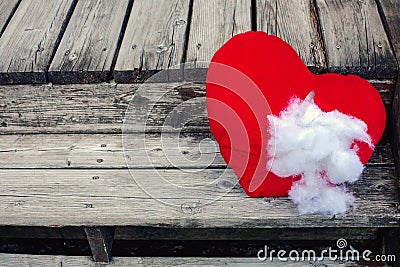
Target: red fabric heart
(254, 75)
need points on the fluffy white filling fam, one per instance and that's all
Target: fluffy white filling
(319, 147)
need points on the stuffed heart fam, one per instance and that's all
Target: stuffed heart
(256, 80)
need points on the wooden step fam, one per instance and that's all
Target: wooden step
(201, 198)
(100, 108)
(12, 260)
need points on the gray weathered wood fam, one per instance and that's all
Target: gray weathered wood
(76, 198)
(98, 108)
(7, 8)
(355, 39)
(12, 260)
(29, 41)
(390, 11)
(296, 22)
(395, 126)
(89, 44)
(154, 39)
(100, 240)
(92, 107)
(213, 23)
(106, 151)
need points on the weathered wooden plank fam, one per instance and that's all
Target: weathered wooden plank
(295, 22)
(76, 198)
(395, 126)
(97, 106)
(100, 240)
(154, 39)
(7, 8)
(355, 39)
(100, 108)
(213, 23)
(12, 260)
(390, 12)
(87, 49)
(106, 151)
(28, 43)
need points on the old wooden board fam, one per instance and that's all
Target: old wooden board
(100, 108)
(395, 126)
(154, 39)
(7, 8)
(295, 22)
(29, 41)
(213, 23)
(390, 11)
(355, 39)
(100, 241)
(89, 44)
(111, 197)
(11, 260)
(97, 107)
(186, 150)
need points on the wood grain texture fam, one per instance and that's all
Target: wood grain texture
(29, 41)
(89, 44)
(49, 108)
(154, 39)
(12, 260)
(112, 198)
(100, 108)
(355, 39)
(390, 11)
(7, 8)
(395, 126)
(77, 151)
(295, 22)
(100, 241)
(213, 23)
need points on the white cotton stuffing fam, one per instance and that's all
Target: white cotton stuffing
(316, 145)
